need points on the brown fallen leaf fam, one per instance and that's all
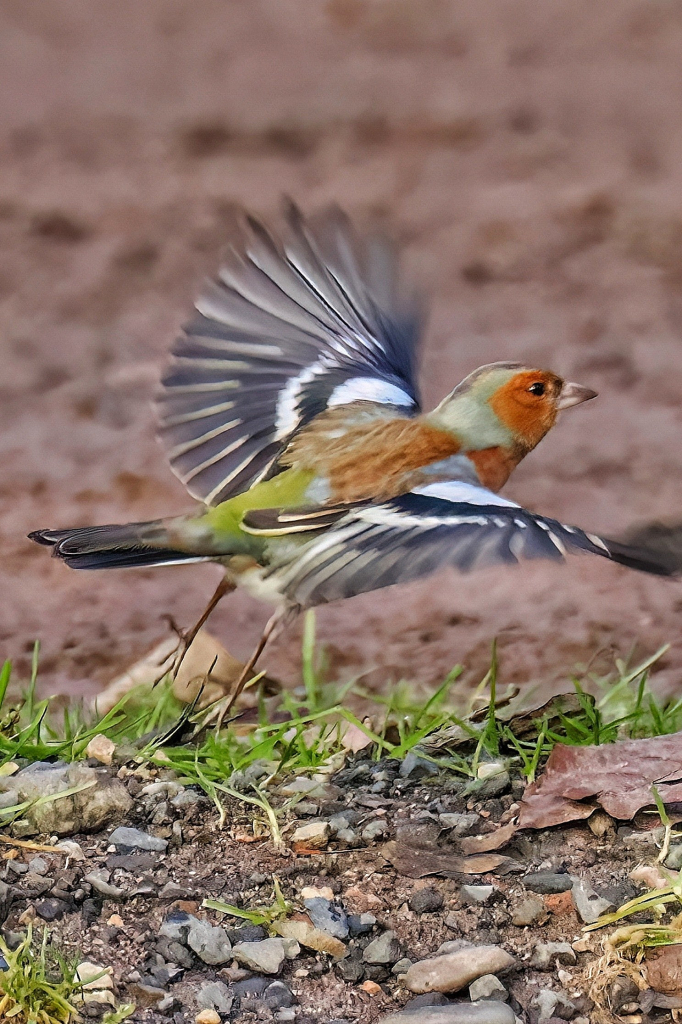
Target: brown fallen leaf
(418, 862)
(300, 928)
(619, 776)
(491, 841)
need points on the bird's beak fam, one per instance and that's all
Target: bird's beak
(574, 394)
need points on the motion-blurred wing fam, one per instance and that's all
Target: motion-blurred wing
(286, 331)
(448, 524)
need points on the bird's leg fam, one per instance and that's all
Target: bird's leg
(275, 625)
(226, 586)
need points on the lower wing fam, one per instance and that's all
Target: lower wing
(448, 524)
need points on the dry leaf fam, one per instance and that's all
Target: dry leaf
(491, 841)
(618, 775)
(300, 928)
(418, 862)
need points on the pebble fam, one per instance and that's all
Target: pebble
(530, 911)
(452, 971)
(589, 904)
(371, 988)
(425, 901)
(415, 767)
(550, 1004)
(674, 858)
(207, 1017)
(361, 924)
(287, 1013)
(327, 917)
(374, 830)
(473, 894)
(402, 967)
(101, 748)
(547, 882)
(461, 824)
(51, 910)
(91, 977)
(267, 955)
(136, 839)
(91, 809)
(488, 987)
(455, 1013)
(310, 892)
(314, 835)
(38, 866)
(546, 954)
(383, 950)
(209, 942)
(214, 995)
(278, 995)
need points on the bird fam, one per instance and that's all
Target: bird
(290, 410)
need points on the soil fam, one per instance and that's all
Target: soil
(234, 865)
(529, 159)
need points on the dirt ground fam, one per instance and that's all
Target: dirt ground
(528, 156)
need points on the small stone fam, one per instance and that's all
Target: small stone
(530, 911)
(546, 954)
(314, 835)
(101, 748)
(38, 866)
(454, 1013)
(99, 799)
(214, 995)
(600, 823)
(172, 891)
(250, 987)
(94, 976)
(551, 1004)
(371, 988)
(427, 999)
(589, 904)
(547, 883)
(135, 839)
(327, 917)
(310, 892)
(146, 995)
(425, 901)
(492, 785)
(452, 971)
(674, 858)
(476, 894)
(383, 950)
(266, 956)
(489, 988)
(51, 910)
(278, 995)
(461, 824)
(71, 849)
(374, 830)
(209, 942)
(208, 1017)
(99, 880)
(351, 968)
(287, 1013)
(361, 924)
(402, 967)
(416, 767)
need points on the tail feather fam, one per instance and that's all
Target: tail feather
(113, 547)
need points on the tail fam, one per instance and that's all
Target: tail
(114, 547)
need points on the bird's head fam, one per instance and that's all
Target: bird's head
(508, 405)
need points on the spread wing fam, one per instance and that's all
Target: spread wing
(447, 524)
(287, 330)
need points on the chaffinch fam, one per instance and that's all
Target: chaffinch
(290, 409)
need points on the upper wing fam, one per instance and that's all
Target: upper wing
(447, 524)
(286, 331)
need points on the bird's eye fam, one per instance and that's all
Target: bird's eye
(537, 389)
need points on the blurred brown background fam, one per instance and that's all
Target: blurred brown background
(528, 156)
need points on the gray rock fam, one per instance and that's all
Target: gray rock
(492, 785)
(51, 910)
(101, 799)
(416, 767)
(474, 894)
(337, 822)
(37, 865)
(209, 942)
(328, 918)
(351, 968)
(214, 995)
(530, 911)
(184, 799)
(347, 835)
(547, 954)
(10, 798)
(674, 858)
(547, 883)
(385, 949)
(361, 924)
(402, 967)
(99, 880)
(589, 904)
(461, 824)
(450, 972)
(176, 925)
(278, 995)
(135, 839)
(553, 1004)
(250, 987)
(425, 901)
(374, 830)
(427, 999)
(488, 988)
(455, 1013)
(266, 956)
